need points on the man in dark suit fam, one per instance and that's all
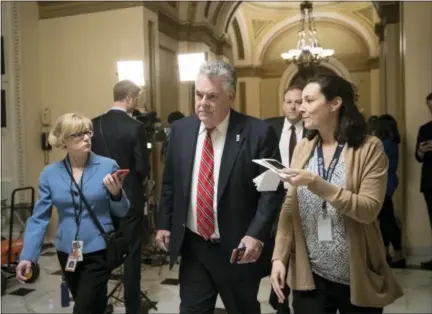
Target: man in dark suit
(289, 129)
(118, 136)
(210, 205)
(424, 155)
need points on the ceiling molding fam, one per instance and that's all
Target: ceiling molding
(53, 9)
(176, 30)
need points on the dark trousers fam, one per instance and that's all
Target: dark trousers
(390, 230)
(328, 297)
(281, 308)
(88, 284)
(205, 272)
(428, 199)
(133, 229)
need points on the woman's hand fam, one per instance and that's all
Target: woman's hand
(23, 270)
(113, 184)
(297, 177)
(277, 277)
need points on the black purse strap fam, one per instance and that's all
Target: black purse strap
(86, 203)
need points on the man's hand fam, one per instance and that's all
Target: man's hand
(253, 250)
(163, 239)
(425, 147)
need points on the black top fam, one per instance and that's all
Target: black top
(425, 134)
(126, 142)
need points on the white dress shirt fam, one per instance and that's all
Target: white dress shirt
(284, 142)
(218, 139)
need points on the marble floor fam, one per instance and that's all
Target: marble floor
(44, 295)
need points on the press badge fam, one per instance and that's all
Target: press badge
(325, 228)
(71, 264)
(77, 250)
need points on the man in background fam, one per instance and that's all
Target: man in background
(119, 136)
(424, 156)
(289, 130)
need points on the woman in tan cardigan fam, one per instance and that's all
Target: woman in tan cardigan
(328, 229)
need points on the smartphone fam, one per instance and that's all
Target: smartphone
(237, 254)
(275, 163)
(121, 173)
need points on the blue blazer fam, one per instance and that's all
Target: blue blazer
(55, 190)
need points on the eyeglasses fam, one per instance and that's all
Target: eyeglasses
(80, 135)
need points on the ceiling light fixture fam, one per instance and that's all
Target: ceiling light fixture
(308, 51)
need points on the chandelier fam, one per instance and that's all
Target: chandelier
(308, 51)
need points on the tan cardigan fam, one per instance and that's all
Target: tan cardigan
(371, 279)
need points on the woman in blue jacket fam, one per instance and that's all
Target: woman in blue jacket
(387, 131)
(80, 246)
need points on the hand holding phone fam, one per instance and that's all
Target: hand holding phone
(121, 173)
(237, 254)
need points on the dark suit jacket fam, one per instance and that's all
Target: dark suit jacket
(126, 143)
(277, 124)
(425, 134)
(242, 210)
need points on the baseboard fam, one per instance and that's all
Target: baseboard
(416, 255)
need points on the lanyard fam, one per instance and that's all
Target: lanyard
(327, 175)
(77, 208)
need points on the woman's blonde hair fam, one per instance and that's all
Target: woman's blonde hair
(68, 124)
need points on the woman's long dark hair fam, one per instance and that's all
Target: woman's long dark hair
(352, 125)
(387, 128)
(371, 125)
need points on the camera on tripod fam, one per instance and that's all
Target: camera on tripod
(153, 126)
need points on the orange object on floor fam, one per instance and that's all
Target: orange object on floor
(17, 246)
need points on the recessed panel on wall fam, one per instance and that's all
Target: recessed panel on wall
(3, 108)
(3, 68)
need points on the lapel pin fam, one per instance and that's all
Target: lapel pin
(237, 137)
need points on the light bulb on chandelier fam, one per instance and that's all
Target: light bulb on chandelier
(308, 51)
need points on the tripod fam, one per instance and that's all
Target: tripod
(115, 293)
(118, 288)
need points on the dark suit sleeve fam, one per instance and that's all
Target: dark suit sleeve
(167, 198)
(141, 153)
(269, 203)
(419, 140)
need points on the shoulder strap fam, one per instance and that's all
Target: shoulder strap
(103, 137)
(86, 203)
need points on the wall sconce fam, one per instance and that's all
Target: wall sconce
(189, 64)
(131, 70)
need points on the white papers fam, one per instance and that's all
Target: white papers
(267, 181)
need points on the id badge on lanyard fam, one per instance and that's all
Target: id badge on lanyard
(324, 221)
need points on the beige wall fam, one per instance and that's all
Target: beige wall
(418, 83)
(270, 102)
(78, 56)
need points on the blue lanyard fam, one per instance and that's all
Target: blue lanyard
(78, 208)
(327, 174)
